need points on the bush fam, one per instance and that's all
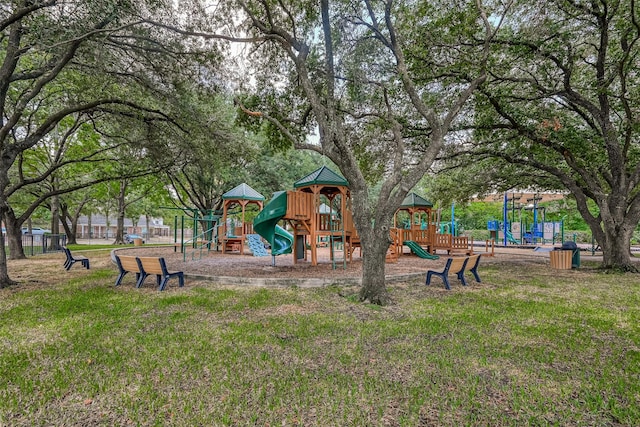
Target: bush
(580, 236)
(478, 234)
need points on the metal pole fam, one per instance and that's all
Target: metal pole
(175, 229)
(453, 227)
(535, 218)
(505, 220)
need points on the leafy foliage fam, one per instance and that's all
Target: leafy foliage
(560, 111)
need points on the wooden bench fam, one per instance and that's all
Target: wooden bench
(154, 265)
(71, 259)
(127, 264)
(457, 266)
(453, 266)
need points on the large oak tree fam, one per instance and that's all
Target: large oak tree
(382, 81)
(562, 103)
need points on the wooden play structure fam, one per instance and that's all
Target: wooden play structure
(422, 225)
(232, 240)
(422, 230)
(309, 221)
(311, 224)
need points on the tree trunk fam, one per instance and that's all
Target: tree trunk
(72, 234)
(374, 255)
(69, 229)
(5, 280)
(121, 208)
(107, 222)
(55, 214)
(146, 218)
(89, 226)
(14, 235)
(616, 249)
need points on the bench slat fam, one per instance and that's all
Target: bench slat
(151, 265)
(129, 263)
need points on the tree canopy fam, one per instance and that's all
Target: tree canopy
(560, 110)
(72, 64)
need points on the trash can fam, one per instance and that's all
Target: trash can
(575, 253)
(560, 259)
(137, 242)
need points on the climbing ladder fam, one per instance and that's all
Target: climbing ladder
(201, 243)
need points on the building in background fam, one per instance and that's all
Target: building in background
(103, 229)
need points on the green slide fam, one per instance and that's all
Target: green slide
(266, 224)
(417, 249)
(511, 239)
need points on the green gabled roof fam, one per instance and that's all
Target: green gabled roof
(414, 201)
(322, 176)
(243, 192)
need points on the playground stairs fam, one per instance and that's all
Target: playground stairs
(256, 246)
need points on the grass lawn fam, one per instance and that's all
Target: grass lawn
(528, 346)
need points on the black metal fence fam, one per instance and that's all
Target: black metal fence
(38, 244)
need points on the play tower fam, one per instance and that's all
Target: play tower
(422, 225)
(309, 222)
(232, 238)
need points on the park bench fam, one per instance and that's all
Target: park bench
(457, 266)
(127, 264)
(453, 266)
(71, 259)
(154, 265)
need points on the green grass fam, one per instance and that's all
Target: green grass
(527, 347)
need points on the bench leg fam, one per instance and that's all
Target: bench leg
(85, 263)
(141, 279)
(474, 271)
(166, 278)
(460, 275)
(429, 274)
(162, 283)
(120, 277)
(444, 278)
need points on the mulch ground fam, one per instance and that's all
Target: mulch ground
(216, 264)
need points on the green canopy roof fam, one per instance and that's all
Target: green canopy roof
(414, 201)
(242, 192)
(322, 176)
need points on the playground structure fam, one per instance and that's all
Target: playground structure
(519, 232)
(421, 233)
(231, 238)
(304, 211)
(317, 213)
